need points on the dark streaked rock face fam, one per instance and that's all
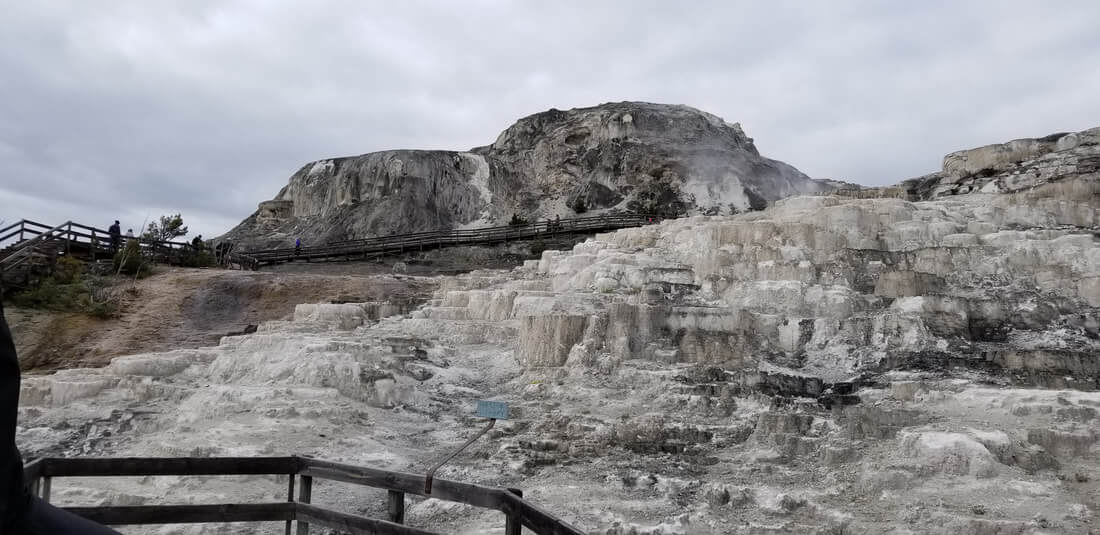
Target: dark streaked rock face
(554, 163)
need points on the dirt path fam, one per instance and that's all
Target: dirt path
(179, 308)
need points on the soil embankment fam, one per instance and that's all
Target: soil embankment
(185, 308)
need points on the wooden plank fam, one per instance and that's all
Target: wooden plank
(535, 519)
(442, 489)
(183, 466)
(26, 222)
(120, 515)
(395, 504)
(33, 469)
(305, 494)
(17, 224)
(290, 498)
(513, 524)
(355, 525)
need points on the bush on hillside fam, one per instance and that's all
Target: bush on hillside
(196, 259)
(68, 270)
(130, 261)
(70, 289)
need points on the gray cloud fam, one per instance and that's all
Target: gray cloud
(134, 108)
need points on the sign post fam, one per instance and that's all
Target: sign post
(493, 410)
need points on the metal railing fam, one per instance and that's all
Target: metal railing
(420, 241)
(298, 511)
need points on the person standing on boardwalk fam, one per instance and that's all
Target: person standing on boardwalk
(297, 247)
(116, 235)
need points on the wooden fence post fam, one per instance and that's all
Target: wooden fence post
(512, 524)
(396, 507)
(304, 495)
(290, 498)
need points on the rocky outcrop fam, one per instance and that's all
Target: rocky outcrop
(625, 156)
(1017, 165)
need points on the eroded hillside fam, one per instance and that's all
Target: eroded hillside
(186, 308)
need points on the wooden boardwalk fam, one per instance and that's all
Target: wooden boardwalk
(423, 241)
(29, 249)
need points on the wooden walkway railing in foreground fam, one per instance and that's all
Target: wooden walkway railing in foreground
(298, 509)
(422, 241)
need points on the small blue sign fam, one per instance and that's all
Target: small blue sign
(497, 410)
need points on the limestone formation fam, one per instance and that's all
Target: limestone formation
(623, 156)
(832, 364)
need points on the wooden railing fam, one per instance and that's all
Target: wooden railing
(75, 237)
(421, 241)
(298, 509)
(27, 247)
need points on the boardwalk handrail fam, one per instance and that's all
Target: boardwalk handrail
(95, 238)
(443, 238)
(518, 512)
(27, 247)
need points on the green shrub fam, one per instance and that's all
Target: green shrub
(100, 301)
(69, 289)
(90, 296)
(46, 294)
(129, 261)
(517, 220)
(201, 258)
(68, 270)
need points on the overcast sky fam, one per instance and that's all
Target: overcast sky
(126, 109)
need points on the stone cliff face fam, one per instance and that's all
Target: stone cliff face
(626, 156)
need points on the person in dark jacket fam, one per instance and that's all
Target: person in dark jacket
(116, 235)
(20, 513)
(14, 499)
